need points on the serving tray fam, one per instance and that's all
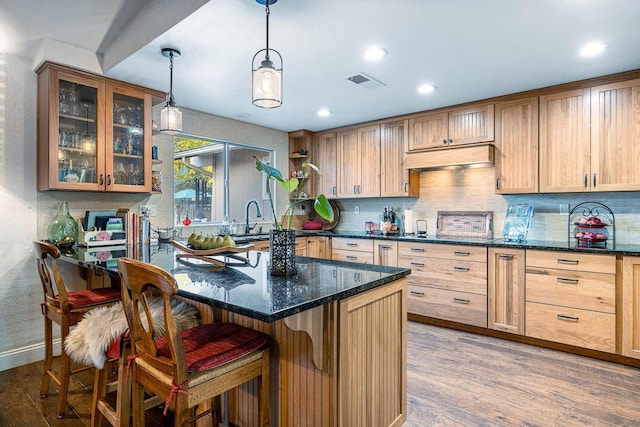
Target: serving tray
(205, 254)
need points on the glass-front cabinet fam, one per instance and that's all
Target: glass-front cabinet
(94, 133)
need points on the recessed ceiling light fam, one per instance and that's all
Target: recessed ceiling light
(592, 49)
(323, 112)
(426, 88)
(374, 54)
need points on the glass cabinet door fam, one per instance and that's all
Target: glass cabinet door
(78, 159)
(128, 142)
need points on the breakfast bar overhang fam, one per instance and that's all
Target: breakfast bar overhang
(338, 333)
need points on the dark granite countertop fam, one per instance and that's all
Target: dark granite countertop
(249, 289)
(549, 245)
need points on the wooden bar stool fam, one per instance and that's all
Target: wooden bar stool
(190, 367)
(65, 308)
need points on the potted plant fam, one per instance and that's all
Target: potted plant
(282, 238)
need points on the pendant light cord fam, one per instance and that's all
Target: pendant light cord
(267, 13)
(171, 102)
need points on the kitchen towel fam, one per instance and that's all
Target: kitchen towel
(408, 221)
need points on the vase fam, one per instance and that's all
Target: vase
(282, 252)
(63, 230)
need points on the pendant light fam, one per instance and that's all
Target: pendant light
(170, 116)
(267, 76)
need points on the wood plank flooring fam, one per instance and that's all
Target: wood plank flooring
(454, 379)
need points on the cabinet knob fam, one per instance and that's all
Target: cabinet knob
(594, 180)
(450, 140)
(444, 141)
(101, 179)
(567, 317)
(586, 180)
(461, 300)
(416, 293)
(497, 183)
(108, 179)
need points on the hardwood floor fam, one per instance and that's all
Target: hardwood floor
(454, 379)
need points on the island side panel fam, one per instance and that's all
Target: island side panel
(301, 394)
(372, 347)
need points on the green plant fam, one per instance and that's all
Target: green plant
(293, 186)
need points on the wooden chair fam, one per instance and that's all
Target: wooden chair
(189, 367)
(65, 308)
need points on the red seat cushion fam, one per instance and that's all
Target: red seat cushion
(214, 344)
(89, 297)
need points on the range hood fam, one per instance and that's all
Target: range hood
(464, 156)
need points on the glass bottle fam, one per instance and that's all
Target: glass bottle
(63, 229)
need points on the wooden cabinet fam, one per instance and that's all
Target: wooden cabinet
(94, 133)
(352, 250)
(395, 179)
(565, 142)
(506, 286)
(385, 252)
(571, 298)
(615, 139)
(447, 281)
(358, 154)
(324, 156)
(516, 154)
(261, 245)
(454, 127)
(301, 246)
(319, 247)
(630, 306)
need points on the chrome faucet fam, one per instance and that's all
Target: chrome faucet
(247, 228)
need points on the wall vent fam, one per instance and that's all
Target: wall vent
(363, 80)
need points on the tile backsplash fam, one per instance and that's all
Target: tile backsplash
(472, 190)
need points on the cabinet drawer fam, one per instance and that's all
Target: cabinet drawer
(444, 304)
(588, 291)
(572, 261)
(447, 274)
(582, 328)
(466, 253)
(352, 256)
(361, 245)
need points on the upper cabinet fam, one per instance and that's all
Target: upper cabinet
(94, 134)
(565, 142)
(516, 155)
(455, 127)
(325, 158)
(395, 179)
(615, 136)
(358, 153)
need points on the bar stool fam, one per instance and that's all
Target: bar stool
(65, 308)
(190, 367)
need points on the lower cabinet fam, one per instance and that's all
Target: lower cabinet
(447, 281)
(385, 252)
(630, 307)
(506, 287)
(571, 299)
(319, 247)
(301, 246)
(353, 250)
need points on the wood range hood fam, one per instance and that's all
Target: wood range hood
(452, 157)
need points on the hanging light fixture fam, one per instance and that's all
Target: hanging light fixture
(170, 116)
(267, 76)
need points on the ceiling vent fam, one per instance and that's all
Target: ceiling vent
(365, 81)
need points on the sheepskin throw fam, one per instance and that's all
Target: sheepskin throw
(88, 342)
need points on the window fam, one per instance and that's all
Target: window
(214, 180)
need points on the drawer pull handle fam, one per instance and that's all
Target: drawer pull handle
(418, 264)
(351, 257)
(566, 317)
(567, 281)
(465, 269)
(351, 244)
(568, 261)
(417, 294)
(417, 249)
(506, 257)
(460, 253)
(461, 300)
(385, 247)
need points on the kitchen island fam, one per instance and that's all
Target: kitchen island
(338, 332)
